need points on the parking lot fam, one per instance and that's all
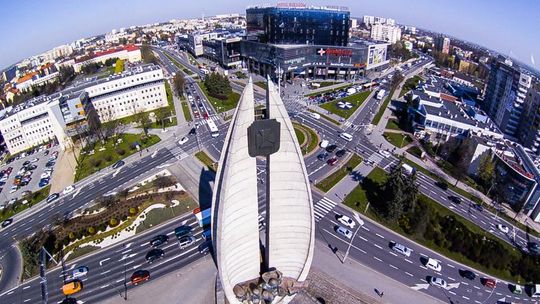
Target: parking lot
(18, 182)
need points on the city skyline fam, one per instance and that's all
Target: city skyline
(515, 41)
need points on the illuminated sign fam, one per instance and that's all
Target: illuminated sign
(295, 60)
(291, 5)
(335, 52)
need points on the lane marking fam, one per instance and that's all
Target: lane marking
(409, 274)
(392, 266)
(376, 258)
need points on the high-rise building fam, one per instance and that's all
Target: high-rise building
(386, 33)
(371, 20)
(505, 94)
(298, 24)
(529, 131)
(442, 44)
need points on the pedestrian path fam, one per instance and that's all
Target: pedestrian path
(179, 153)
(323, 207)
(213, 117)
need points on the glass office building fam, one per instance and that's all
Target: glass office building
(298, 24)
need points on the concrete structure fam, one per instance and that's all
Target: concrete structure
(371, 20)
(442, 44)
(65, 114)
(289, 242)
(529, 133)
(386, 33)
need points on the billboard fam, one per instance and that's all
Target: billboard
(376, 54)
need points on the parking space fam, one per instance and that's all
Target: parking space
(27, 173)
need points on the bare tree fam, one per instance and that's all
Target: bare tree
(143, 119)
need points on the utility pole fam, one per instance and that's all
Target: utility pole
(358, 220)
(125, 278)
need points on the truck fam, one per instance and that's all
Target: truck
(407, 169)
(380, 94)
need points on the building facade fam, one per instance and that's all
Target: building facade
(298, 24)
(529, 132)
(130, 53)
(72, 111)
(442, 44)
(386, 33)
(225, 51)
(371, 20)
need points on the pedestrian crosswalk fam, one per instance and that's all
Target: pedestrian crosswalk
(348, 124)
(179, 153)
(322, 207)
(213, 117)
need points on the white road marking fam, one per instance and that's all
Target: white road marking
(103, 261)
(105, 286)
(409, 274)
(26, 287)
(377, 246)
(382, 237)
(450, 265)
(392, 266)
(376, 258)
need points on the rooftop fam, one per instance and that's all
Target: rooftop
(285, 5)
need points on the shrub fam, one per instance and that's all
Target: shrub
(132, 211)
(108, 157)
(91, 230)
(120, 151)
(113, 222)
(72, 236)
(95, 162)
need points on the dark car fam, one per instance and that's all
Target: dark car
(341, 153)
(7, 222)
(454, 199)
(206, 247)
(159, 240)
(26, 163)
(322, 156)
(46, 152)
(50, 164)
(478, 207)
(69, 301)
(193, 131)
(43, 182)
(53, 197)
(154, 255)
(140, 276)
(467, 274)
(533, 247)
(31, 167)
(118, 164)
(331, 148)
(332, 161)
(182, 231)
(441, 185)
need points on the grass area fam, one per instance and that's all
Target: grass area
(307, 138)
(327, 83)
(240, 75)
(113, 152)
(398, 139)
(410, 84)
(218, 104)
(416, 151)
(167, 122)
(358, 200)
(171, 120)
(186, 111)
(157, 216)
(18, 206)
(326, 117)
(79, 252)
(383, 107)
(334, 178)
(329, 90)
(178, 64)
(261, 84)
(206, 160)
(356, 100)
(392, 125)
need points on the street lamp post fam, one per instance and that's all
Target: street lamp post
(125, 277)
(358, 220)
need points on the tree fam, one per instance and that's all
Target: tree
(218, 86)
(397, 79)
(90, 68)
(66, 73)
(161, 115)
(486, 172)
(144, 120)
(401, 192)
(178, 84)
(147, 54)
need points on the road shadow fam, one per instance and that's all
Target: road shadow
(206, 178)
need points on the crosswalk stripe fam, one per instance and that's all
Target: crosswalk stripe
(328, 204)
(328, 201)
(318, 213)
(323, 208)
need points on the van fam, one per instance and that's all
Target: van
(346, 136)
(72, 287)
(433, 264)
(535, 291)
(315, 115)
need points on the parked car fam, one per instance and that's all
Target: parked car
(140, 276)
(45, 175)
(159, 240)
(43, 182)
(26, 163)
(34, 160)
(344, 231)
(68, 189)
(154, 255)
(400, 248)
(435, 281)
(205, 247)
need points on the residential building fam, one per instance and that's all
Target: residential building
(298, 24)
(529, 127)
(387, 33)
(442, 44)
(130, 53)
(70, 112)
(354, 23)
(371, 20)
(504, 98)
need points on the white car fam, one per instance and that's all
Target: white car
(400, 248)
(344, 231)
(183, 141)
(324, 144)
(384, 153)
(503, 228)
(315, 115)
(79, 272)
(438, 282)
(68, 189)
(34, 160)
(45, 174)
(434, 265)
(347, 221)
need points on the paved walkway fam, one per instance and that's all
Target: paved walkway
(64, 170)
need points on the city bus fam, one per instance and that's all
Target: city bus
(213, 128)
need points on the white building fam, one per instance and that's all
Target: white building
(371, 20)
(387, 33)
(130, 53)
(354, 23)
(45, 118)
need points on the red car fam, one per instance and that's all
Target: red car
(332, 161)
(491, 283)
(140, 276)
(205, 115)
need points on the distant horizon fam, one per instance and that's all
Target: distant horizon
(70, 21)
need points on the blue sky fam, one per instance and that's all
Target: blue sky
(30, 27)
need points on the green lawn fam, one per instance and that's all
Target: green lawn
(334, 178)
(327, 83)
(329, 90)
(326, 117)
(33, 198)
(240, 75)
(300, 136)
(416, 151)
(171, 121)
(371, 187)
(307, 137)
(392, 125)
(410, 84)
(355, 99)
(218, 104)
(206, 160)
(79, 252)
(186, 110)
(159, 215)
(397, 139)
(261, 84)
(383, 107)
(90, 164)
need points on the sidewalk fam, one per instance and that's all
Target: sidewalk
(64, 173)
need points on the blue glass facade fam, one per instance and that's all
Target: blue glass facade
(278, 25)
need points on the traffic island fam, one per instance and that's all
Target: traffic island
(333, 179)
(307, 138)
(345, 107)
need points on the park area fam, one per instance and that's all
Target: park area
(346, 106)
(399, 140)
(307, 138)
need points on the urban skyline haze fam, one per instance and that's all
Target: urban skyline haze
(32, 27)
